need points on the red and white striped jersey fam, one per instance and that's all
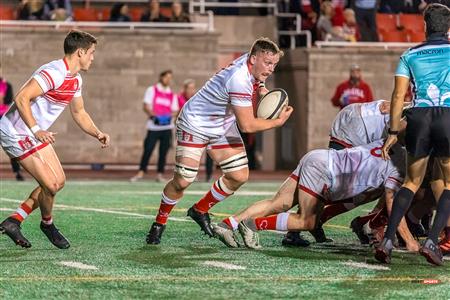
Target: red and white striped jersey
(359, 169)
(360, 124)
(59, 88)
(209, 112)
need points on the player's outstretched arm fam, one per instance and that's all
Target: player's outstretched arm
(249, 124)
(403, 230)
(85, 122)
(23, 99)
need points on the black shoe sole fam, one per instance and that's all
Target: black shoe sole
(431, 257)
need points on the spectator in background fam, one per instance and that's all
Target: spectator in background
(160, 105)
(325, 29)
(309, 11)
(58, 10)
(187, 92)
(178, 15)
(119, 13)
(153, 13)
(350, 28)
(366, 11)
(31, 10)
(6, 98)
(353, 90)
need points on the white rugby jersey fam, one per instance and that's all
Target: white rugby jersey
(360, 123)
(59, 88)
(209, 112)
(359, 169)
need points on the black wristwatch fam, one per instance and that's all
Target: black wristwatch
(392, 132)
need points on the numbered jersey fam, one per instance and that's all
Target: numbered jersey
(360, 169)
(209, 112)
(333, 175)
(359, 124)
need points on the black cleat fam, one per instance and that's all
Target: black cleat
(357, 228)
(202, 219)
(155, 233)
(319, 235)
(383, 252)
(432, 253)
(54, 236)
(294, 239)
(19, 177)
(11, 227)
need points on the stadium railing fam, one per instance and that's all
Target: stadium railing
(298, 30)
(204, 27)
(324, 44)
(202, 5)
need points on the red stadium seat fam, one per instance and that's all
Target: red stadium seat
(7, 13)
(387, 22)
(136, 13)
(86, 14)
(416, 36)
(166, 11)
(412, 22)
(393, 36)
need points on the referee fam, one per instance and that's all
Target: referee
(427, 68)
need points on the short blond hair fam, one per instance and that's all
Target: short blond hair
(264, 44)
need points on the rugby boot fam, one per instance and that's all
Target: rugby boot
(202, 219)
(319, 235)
(155, 233)
(432, 253)
(383, 252)
(225, 235)
(294, 239)
(54, 236)
(358, 229)
(11, 227)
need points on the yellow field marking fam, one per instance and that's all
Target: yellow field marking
(181, 278)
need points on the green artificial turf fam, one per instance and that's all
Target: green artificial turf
(106, 223)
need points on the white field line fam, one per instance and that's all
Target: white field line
(77, 265)
(219, 264)
(6, 209)
(100, 210)
(197, 193)
(361, 265)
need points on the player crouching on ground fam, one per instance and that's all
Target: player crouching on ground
(322, 177)
(25, 136)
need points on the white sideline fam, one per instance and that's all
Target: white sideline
(77, 265)
(219, 264)
(200, 193)
(100, 210)
(361, 265)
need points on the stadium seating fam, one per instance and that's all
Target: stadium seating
(393, 36)
(87, 14)
(136, 13)
(411, 22)
(7, 13)
(387, 22)
(416, 36)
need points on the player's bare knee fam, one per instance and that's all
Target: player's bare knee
(236, 179)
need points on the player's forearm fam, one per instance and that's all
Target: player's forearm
(24, 108)
(258, 124)
(86, 124)
(396, 109)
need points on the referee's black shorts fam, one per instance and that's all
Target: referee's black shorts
(428, 129)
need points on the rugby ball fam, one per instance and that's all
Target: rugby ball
(270, 106)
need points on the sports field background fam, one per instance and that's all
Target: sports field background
(106, 223)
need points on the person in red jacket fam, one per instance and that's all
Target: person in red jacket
(354, 90)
